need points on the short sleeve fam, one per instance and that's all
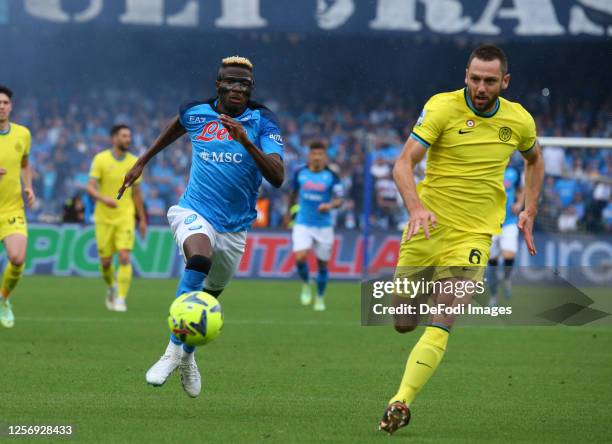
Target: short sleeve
(270, 139)
(96, 168)
(295, 183)
(186, 106)
(337, 188)
(528, 134)
(430, 123)
(27, 139)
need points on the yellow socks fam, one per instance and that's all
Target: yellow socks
(124, 279)
(422, 363)
(108, 274)
(10, 277)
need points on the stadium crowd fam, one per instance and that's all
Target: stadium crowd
(68, 132)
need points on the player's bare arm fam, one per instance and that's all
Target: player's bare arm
(172, 132)
(26, 178)
(92, 190)
(140, 211)
(519, 202)
(335, 203)
(403, 174)
(270, 165)
(534, 176)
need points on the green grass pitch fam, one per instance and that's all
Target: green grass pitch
(281, 372)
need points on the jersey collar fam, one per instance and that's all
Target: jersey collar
(246, 114)
(470, 105)
(4, 133)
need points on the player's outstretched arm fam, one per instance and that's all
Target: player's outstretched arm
(403, 174)
(534, 177)
(169, 135)
(270, 165)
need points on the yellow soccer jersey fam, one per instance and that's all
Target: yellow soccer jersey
(14, 146)
(110, 172)
(467, 153)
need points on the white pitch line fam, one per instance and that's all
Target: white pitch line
(161, 321)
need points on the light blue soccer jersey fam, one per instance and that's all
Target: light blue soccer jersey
(224, 179)
(512, 180)
(315, 188)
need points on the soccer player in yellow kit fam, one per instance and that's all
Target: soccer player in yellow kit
(14, 168)
(468, 136)
(114, 218)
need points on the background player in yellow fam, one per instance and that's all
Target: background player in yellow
(469, 136)
(14, 169)
(115, 219)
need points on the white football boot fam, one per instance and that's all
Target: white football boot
(306, 295)
(319, 304)
(162, 369)
(190, 375)
(120, 305)
(111, 295)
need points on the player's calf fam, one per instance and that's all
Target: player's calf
(406, 322)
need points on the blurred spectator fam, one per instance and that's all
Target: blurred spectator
(67, 134)
(74, 210)
(386, 201)
(568, 220)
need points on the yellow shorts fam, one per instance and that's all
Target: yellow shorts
(112, 238)
(447, 253)
(13, 222)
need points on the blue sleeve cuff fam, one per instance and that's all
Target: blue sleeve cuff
(420, 140)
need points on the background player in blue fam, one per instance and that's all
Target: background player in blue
(234, 143)
(317, 190)
(505, 245)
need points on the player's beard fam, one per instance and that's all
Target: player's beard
(123, 149)
(488, 104)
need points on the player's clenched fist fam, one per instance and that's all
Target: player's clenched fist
(131, 177)
(235, 129)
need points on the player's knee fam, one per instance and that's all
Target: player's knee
(199, 263)
(300, 257)
(106, 262)
(124, 257)
(16, 259)
(404, 328)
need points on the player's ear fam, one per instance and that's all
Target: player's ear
(466, 77)
(505, 81)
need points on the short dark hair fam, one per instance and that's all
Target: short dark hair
(6, 90)
(318, 145)
(118, 127)
(488, 53)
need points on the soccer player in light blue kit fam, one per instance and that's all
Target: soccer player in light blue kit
(317, 190)
(505, 245)
(234, 143)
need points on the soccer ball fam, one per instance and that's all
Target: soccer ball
(195, 318)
